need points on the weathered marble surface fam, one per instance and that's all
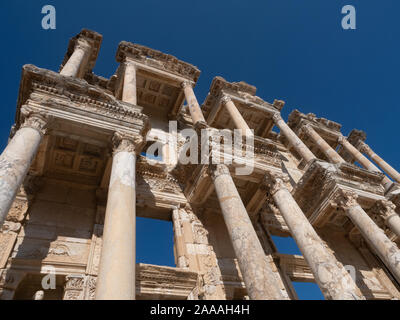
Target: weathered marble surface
(116, 279)
(257, 274)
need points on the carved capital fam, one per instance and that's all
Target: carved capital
(307, 129)
(35, 120)
(341, 139)
(218, 169)
(276, 117)
(184, 84)
(225, 99)
(345, 199)
(126, 143)
(364, 148)
(384, 208)
(275, 182)
(83, 45)
(129, 63)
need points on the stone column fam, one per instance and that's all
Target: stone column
(236, 116)
(129, 92)
(329, 152)
(257, 274)
(194, 107)
(17, 157)
(180, 250)
(116, 279)
(360, 158)
(76, 62)
(376, 238)
(380, 162)
(386, 209)
(331, 276)
(294, 140)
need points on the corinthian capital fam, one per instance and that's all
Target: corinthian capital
(217, 170)
(83, 44)
(307, 129)
(34, 119)
(384, 208)
(364, 148)
(275, 182)
(127, 143)
(225, 99)
(345, 199)
(184, 84)
(341, 139)
(276, 117)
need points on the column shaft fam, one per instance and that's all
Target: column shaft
(236, 116)
(75, 63)
(179, 240)
(379, 242)
(393, 222)
(129, 93)
(16, 160)
(333, 280)
(257, 274)
(380, 162)
(194, 107)
(329, 152)
(294, 140)
(116, 279)
(360, 158)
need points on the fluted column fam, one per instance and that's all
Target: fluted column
(329, 152)
(78, 59)
(380, 162)
(257, 274)
(386, 209)
(129, 91)
(194, 107)
(360, 158)
(332, 278)
(294, 140)
(236, 116)
(116, 279)
(17, 157)
(378, 241)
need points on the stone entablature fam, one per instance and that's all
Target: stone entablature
(157, 59)
(256, 112)
(59, 96)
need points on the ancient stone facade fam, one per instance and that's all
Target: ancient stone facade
(77, 172)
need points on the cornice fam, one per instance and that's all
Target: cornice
(156, 59)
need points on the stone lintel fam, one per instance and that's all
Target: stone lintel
(156, 59)
(295, 267)
(164, 282)
(93, 38)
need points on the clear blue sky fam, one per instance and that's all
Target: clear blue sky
(291, 50)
